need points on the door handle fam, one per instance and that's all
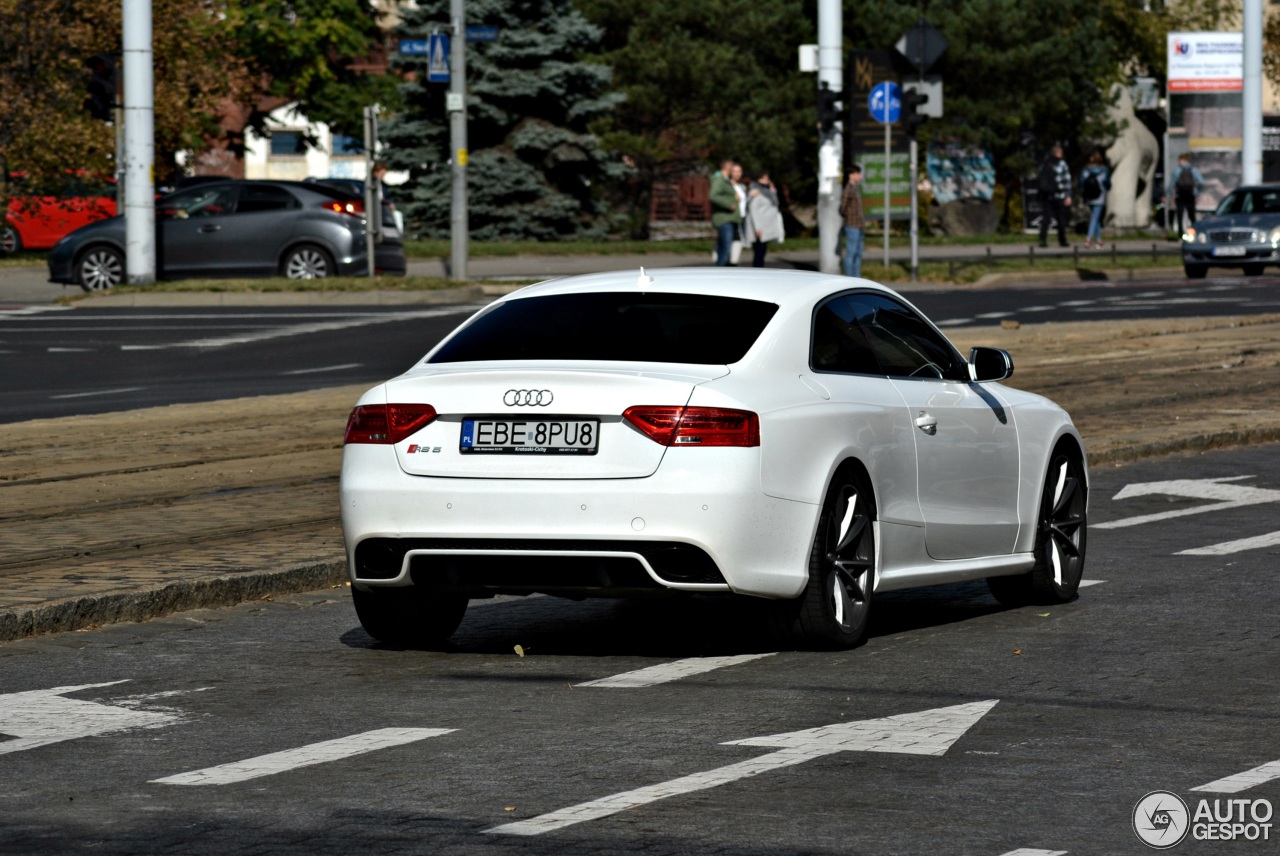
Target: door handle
(926, 423)
(211, 227)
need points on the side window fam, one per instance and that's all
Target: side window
(839, 344)
(903, 342)
(263, 197)
(209, 201)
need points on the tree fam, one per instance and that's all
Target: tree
(46, 133)
(534, 168)
(306, 51)
(704, 81)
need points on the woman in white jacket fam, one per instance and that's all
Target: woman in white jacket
(763, 223)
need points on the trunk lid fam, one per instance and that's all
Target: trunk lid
(529, 397)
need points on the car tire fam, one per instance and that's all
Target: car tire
(1253, 270)
(10, 241)
(99, 268)
(1061, 529)
(1195, 271)
(835, 608)
(407, 615)
(308, 262)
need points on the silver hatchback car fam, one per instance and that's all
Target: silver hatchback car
(236, 228)
(1243, 233)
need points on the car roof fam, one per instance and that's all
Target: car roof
(783, 287)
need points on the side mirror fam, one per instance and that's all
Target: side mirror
(989, 364)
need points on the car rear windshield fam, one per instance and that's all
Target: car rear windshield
(658, 328)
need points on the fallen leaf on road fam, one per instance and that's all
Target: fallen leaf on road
(1044, 614)
(510, 808)
(520, 650)
(1017, 650)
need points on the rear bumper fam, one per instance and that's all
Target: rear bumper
(699, 523)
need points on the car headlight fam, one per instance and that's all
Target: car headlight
(1274, 237)
(1190, 234)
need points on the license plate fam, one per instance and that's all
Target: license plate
(530, 436)
(1230, 251)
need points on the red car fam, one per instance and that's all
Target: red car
(35, 221)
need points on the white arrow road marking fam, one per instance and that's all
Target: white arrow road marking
(927, 732)
(1243, 781)
(665, 672)
(40, 717)
(303, 756)
(1087, 583)
(1228, 547)
(1231, 496)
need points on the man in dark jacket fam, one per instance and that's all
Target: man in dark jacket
(1054, 185)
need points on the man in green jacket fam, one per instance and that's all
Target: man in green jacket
(724, 212)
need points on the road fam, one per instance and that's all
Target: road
(960, 727)
(93, 360)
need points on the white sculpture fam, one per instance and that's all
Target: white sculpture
(1133, 158)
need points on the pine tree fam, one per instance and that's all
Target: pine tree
(534, 169)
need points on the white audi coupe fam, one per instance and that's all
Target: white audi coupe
(805, 438)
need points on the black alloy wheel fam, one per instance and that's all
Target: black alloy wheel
(1061, 531)
(835, 609)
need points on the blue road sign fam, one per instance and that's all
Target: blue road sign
(481, 33)
(885, 103)
(414, 47)
(438, 59)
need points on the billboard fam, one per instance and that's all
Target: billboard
(1206, 62)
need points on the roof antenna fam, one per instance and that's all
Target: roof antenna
(644, 280)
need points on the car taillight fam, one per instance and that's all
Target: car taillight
(695, 426)
(387, 423)
(351, 207)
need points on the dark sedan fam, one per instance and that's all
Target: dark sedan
(1243, 233)
(236, 228)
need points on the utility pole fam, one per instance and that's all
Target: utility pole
(458, 227)
(372, 189)
(830, 146)
(1252, 94)
(139, 145)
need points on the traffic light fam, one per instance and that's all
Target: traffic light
(101, 102)
(828, 108)
(912, 118)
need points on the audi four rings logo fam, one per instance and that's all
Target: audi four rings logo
(527, 397)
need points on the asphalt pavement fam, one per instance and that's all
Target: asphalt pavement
(673, 727)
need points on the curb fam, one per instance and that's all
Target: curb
(180, 596)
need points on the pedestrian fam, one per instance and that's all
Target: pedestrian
(740, 190)
(1053, 182)
(724, 211)
(854, 222)
(1095, 181)
(1185, 185)
(763, 223)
